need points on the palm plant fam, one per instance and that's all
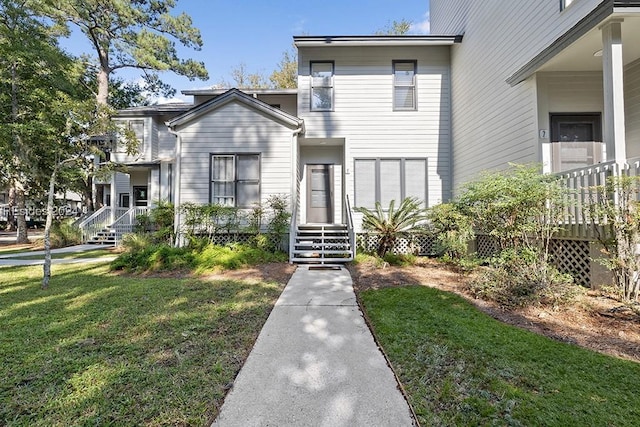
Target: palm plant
(392, 223)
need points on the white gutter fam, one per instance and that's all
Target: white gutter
(294, 181)
(176, 181)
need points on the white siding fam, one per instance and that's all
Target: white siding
(234, 128)
(494, 123)
(166, 141)
(363, 113)
(448, 16)
(632, 108)
(146, 150)
(123, 185)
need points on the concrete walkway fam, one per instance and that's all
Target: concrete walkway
(12, 260)
(315, 363)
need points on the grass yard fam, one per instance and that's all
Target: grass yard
(462, 367)
(103, 349)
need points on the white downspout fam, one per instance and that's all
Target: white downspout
(294, 187)
(176, 190)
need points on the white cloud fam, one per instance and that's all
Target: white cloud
(421, 27)
(166, 100)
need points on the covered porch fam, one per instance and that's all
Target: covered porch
(587, 93)
(124, 197)
(322, 226)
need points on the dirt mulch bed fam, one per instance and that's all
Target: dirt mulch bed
(593, 321)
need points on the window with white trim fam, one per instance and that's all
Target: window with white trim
(385, 179)
(235, 180)
(404, 85)
(322, 86)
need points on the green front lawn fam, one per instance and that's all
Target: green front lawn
(462, 367)
(102, 349)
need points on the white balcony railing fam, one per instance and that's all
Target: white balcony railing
(581, 184)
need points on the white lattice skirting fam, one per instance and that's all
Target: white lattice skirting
(568, 256)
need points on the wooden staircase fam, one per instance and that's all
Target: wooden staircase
(321, 244)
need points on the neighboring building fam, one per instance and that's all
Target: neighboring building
(554, 82)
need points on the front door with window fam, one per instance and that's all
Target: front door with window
(576, 140)
(140, 196)
(320, 194)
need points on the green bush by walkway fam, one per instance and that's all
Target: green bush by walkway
(462, 367)
(163, 257)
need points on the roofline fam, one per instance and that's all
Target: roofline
(586, 24)
(373, 40)
(154, 110)
(214, 91)
(229, 96)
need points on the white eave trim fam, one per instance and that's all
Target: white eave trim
(239, 96)
(424, 40)
(212, 91)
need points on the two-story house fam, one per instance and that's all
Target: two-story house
(377, 118)
(370, 121)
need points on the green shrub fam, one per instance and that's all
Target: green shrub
(516, 279)
(452, 229)
(64, 233)
(392, 223)
(614, 213)
(278, 225)
(400, 259)
(200, 257)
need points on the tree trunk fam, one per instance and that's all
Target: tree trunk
(47, 232)
(21, 215)
(102, 98)
(11, 218)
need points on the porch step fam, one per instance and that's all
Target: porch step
(321, 243)
(105, 236)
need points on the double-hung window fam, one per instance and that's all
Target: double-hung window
(235, 179)
(385, 179)
(322, 86)
(404, 85)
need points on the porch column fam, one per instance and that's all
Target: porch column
(613, 76)
(112, 198)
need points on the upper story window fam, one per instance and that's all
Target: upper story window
(235, 180)
(404, 85)
(132, 129)
(322, 86)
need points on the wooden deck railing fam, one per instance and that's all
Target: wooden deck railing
(581, 185)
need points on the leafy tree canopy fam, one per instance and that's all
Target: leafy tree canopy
(395, 28)
(131, 34)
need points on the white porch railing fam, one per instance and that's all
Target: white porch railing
(581, 183)
(293, 225)
(350, 227)
(126, 222)
(95, 223)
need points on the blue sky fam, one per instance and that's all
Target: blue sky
(257, 32)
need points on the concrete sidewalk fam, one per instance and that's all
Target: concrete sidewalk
(68, 249)
(13, 260)
(315, 363)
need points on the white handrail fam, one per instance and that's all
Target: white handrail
(94, 215)
(350, 227)
(92, 225)
(292, 230)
